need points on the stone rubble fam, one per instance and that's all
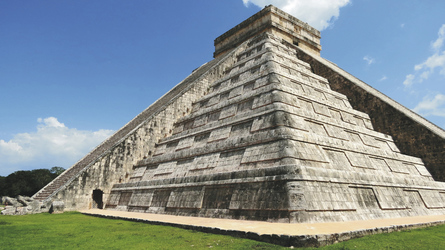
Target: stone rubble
(22, 205)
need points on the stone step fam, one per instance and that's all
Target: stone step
(57, 183)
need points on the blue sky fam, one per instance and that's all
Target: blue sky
(73, 72)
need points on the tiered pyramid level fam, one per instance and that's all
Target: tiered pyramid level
(271, 141)
(256, 134)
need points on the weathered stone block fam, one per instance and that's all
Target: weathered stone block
(57, 207)
(266, 131)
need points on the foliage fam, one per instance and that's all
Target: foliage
(56, 170)
(2, 184)
(27, 182)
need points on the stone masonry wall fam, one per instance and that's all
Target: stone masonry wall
(116, 164)
(271, 141)
(410, 136)
(117, 137)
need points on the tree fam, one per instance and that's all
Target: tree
(2, 184)
(57, 170)
(27, 182)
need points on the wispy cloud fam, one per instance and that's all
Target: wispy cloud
(425, 69)
(318, 13)
(52, 144)
(431, 106)
(383, 78)
(409, 80)
(369, 60)
(437, 45)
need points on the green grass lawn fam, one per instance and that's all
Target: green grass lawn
(73, 230)
(426, 238)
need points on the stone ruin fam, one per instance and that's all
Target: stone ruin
(22, 205)
(267, 130)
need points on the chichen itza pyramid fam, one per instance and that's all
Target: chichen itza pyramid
(267, 130)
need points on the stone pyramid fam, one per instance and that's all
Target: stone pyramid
(256, 134)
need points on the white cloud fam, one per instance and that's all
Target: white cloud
(369, 60)
(431, 106)
(436, 45)
(53, 144)
(409, 80)
(383, 78)
(317, 13)
(50, 122)
(437, 60)
(425, 69)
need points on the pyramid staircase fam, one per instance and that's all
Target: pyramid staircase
(256, 134)
(61, 180)
(271, 141)
(79, 168)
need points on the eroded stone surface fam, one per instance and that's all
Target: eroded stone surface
(254, 134)
(22, 205)
(285, 149)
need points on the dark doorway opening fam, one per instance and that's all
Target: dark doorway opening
(98, 198)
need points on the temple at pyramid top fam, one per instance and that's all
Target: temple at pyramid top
(275, 21)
